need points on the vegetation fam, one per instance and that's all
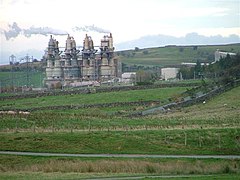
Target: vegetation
(225, 69)
(98, 98)
(211, 127)
(126, 142)
(75, 168)
(173, 55)
(18, 79)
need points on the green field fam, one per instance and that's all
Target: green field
(98, 98)
(210, 128)
(165, 56)
(19, 79)
(126, 142)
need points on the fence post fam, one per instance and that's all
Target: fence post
(16, 130)
(200, 141)
(185, 141)
(165, 137)
(89, 125)
(52, 126)
(34, 128)
(219, 141)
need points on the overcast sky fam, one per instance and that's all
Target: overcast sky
(126, 19)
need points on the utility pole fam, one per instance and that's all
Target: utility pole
(27, 59)
(12, 60)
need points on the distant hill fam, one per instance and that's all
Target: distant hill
(173, 55)
(189, 39)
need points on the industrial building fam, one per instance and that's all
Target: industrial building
(74, 65)
(221, 54)
(169, 73)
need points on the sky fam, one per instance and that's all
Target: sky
(126, 19)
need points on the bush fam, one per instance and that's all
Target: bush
(136, 49)
(144, 83)
(145, 52)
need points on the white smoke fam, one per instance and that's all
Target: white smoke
(15, 30)
(92, 28)
(43, 31)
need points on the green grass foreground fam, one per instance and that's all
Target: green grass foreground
(210, 128)
(22, 167)
(124, 142)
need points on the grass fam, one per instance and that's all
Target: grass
(20, 79)
(220, 112)
(199, 141)
(210, 128)
(110, 167)
(98, 98)
(165, 56)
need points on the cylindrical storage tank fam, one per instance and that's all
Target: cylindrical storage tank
(85, 43)
(73, 44)
(68, 43)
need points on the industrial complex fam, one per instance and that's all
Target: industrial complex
(86, 63)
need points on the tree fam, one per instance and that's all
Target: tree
(35, 60)
(144, 78)
(186, 72)
(145, 52)
(198, 68)
(136, 49)
(181, 49)
(195, 48)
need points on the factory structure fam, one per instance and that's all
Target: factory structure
(74, 65)
(222, 54)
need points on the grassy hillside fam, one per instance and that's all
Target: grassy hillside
(98, 98)
(218, 117)
(173, 55)
(210, 128)
(162, 56)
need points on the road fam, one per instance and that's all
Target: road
(121, 155)
(150, 177)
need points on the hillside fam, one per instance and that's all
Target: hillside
(207, 129)
(161, 57)
(173, 55)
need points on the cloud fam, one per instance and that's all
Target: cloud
(90, 28)
(15, 30)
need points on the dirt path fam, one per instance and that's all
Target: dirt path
(120, 155)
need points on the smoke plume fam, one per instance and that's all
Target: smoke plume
(42, 31)
(90, 28)
(15, 30)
